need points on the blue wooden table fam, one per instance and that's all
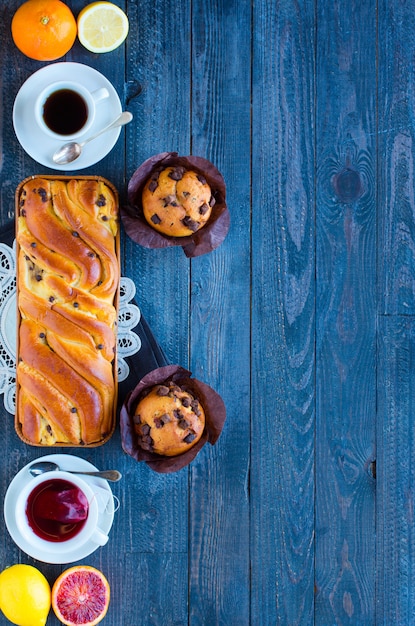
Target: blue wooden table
(303, 319)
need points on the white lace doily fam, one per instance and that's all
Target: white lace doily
(128, 317)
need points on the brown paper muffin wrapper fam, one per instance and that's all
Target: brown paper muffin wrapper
(213, 405)
(209, 237)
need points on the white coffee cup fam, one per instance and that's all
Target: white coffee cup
(66, 110)
(89, 531)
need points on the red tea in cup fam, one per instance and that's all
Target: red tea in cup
(57, 510)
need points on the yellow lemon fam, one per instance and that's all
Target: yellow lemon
(102, 26)
(25, 595)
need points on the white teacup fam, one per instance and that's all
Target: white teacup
(89, 530)
(66, 110)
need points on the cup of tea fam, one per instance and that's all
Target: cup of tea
(66, 109)
(59, 510)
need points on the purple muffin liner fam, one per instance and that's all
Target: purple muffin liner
(213, 405)
(209, 237)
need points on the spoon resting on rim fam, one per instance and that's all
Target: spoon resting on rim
(72, 150)
(40, 467)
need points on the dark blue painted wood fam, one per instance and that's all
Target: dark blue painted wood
(283, 320)
(346, 312)
(219, 563)
(302, 319)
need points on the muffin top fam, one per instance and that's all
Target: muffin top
(169, 420)
(177, 201)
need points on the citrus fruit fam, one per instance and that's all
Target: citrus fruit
(24, 595)
(102, 26)
(44, 30)
(80, 596)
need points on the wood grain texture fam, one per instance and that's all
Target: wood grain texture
(303, 319)
(220, 317)
(395, 474)
(396, 141)
(283, 292)
(346, 307)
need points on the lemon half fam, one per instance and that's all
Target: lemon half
(25, 595)
(102, 26)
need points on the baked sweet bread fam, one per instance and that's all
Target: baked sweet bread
(177, 201)
(67, 286)
(169, 420)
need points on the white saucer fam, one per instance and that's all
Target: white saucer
(38, 144)
(65, 462)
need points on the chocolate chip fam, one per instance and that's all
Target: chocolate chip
(158, 423)
(155, 219)
(101, 200)
(104, 218)
(146, 446)
(212, 201)
(169, 200)
(49, 429)
(177, 173)
(186, 401)
(178, 414)
(75, 234)
(189, 438)
(42, 335)
(163, 390)
(33, 244)
(186, 194)
(137, 419)
(203, 209)
(190, 224)
(183, 424)
(43, 194)
(201, 179)
(23, 213)
(195, 408)
(74, 409)
(100, 346)
(76, 305)
(165, 418)
(38, 277)
(145, 429)
(51, 298)
(153, 184)
(91, 255)
(147, 439)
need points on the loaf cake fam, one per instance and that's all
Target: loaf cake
(67, 290)
(168, 420)
(177, 201)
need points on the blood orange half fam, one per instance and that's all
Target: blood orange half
(80, 596)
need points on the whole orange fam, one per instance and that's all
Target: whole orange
(44, 30)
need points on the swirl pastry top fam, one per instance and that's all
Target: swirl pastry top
(67, 283)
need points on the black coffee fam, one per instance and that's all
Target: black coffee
(65, 112)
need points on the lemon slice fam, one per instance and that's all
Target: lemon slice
(102, 26)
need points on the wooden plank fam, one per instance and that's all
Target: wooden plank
(220, 317)
(395, 442)
(396, 140)
(283, 295)
(346, 308)
(395, 473)
(155, 521)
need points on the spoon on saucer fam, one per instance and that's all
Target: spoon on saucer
(40, 467)
(72, 150)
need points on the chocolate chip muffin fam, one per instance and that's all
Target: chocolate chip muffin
(168, 420)
(177, 201)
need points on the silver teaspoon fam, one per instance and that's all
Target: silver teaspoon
(72, 150)
(40, 467)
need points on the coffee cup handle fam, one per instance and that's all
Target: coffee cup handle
(100, 537)
(100, 94)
